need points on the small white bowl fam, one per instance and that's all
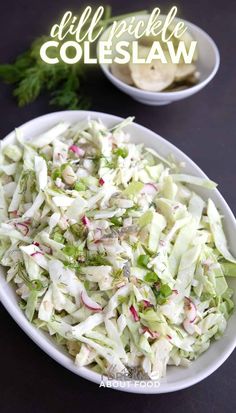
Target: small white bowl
(207, 65)
(177, 377)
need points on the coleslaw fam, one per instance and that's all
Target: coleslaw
(110, 250)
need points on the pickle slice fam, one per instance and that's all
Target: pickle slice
(122, 72)
(184, 70)
(154, 76)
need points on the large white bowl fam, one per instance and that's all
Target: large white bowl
(207, 65)
(177, 377)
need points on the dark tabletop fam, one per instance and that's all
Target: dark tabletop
(203, 126)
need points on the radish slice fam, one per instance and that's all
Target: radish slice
(36, 253)
(27, 222)
(188, 326)
(85, 221)
(191, 313)
(39, 258)
(146, 304)
(173, 296)
(190, 310)
(149, 189)
(44, 248)
(89, 303)
(78, 151)
(97, 234)
(22, 227)
(134, 313)
(101, 181)
(14, 214)
(153, 334)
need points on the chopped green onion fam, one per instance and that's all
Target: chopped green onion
(56, 173)
(143, 260)
(151, 277)
(36, 285)
(162, 293)
(116, 221)
(58, 237)
(79, 186)
(70, 250)
(165, 290)
(160, 299)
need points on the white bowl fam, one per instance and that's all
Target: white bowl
(177, 377)
(207, 65)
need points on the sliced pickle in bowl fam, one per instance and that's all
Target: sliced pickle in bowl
(153, 77)
(157, 76)
(184, 70)
(122, 72)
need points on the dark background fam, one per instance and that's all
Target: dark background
(203, 126)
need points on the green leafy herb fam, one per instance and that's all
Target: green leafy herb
(31, 76)
(123, 152)
(71, 265)
(96, 260)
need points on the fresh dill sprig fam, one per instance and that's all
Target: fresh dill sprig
(30, 75)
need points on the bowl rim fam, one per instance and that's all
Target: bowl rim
(55, 352)
(179, 93)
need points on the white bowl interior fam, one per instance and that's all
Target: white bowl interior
(177, 377)
(207, 64)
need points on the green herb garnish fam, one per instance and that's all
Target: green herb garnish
(123, 152)
(65, 83)
(96, 260)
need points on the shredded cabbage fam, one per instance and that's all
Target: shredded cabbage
(110, 251)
